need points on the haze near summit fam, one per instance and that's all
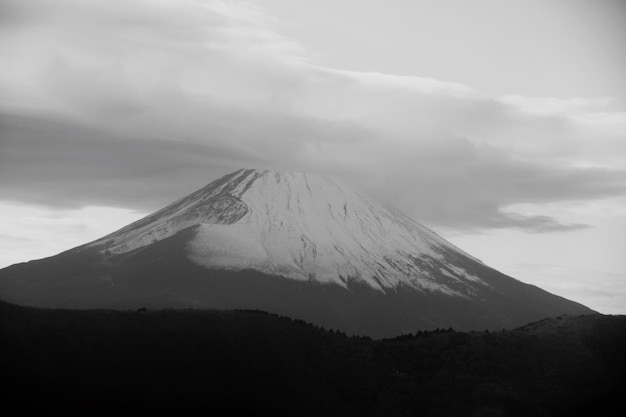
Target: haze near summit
(502, 126)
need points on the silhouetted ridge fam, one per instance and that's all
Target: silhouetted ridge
(253, 362)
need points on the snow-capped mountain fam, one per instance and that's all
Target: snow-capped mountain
(290, 243)
(303, 227)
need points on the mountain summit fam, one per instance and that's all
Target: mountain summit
(303, 227)
(290, 243)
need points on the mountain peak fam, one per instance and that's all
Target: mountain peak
(251, 181)
(303, 227)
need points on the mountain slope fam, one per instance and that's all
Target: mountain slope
(292, 244)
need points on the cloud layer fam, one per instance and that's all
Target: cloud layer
(137, 103)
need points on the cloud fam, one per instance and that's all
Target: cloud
(149, 100)
(600, 290)
(29, 232)
(559, 106)
(535, 224)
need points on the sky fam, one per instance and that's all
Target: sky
(499, 124)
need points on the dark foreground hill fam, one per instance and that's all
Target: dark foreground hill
(63, 361)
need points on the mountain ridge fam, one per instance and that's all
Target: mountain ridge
(250, 361)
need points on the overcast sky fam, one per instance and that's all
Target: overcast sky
(500, 124)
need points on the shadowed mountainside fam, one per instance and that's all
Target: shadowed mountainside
(250, 361)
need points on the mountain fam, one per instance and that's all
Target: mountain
(288, 243)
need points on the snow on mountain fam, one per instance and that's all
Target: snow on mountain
(304, 227)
